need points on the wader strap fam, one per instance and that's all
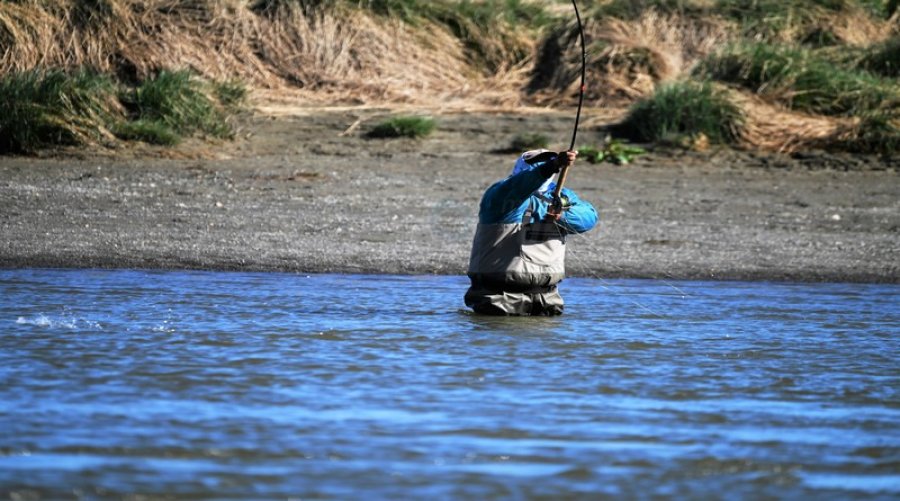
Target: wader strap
(540, 231)
(499, 287)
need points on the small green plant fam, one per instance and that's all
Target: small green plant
(403, 126)
(614, 151)
(529, 141)
(683, 108)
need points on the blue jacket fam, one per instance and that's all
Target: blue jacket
(506, 201)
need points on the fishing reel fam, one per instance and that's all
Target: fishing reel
(558, 205)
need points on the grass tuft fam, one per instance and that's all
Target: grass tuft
(40, 109)
(683, 108)
(412, 127)
(180, 101)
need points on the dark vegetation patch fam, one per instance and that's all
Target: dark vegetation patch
(883, 59)
(403, 126)
(43, 109)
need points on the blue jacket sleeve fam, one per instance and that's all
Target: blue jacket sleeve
(580, 216)
(507, 196)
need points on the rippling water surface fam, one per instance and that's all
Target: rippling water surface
(325, 386)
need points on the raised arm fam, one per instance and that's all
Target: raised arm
(506, 196)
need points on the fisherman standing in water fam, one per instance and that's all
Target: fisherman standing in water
(518, 256)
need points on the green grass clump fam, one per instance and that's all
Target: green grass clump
(683, 108)
(180, 101)
(529, 141)
(883, 59)
(152, 132)
(412, 127)
(41, 109)
(801, 80)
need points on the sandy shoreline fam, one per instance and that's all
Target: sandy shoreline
(297, 194)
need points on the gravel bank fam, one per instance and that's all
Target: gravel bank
(300, 193)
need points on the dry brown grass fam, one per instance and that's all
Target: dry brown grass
(674, 43)
(351, 56)
(850, 25)
(27, 36)
(860, 29)
(774, 128)
(627, 58)
(344, 54)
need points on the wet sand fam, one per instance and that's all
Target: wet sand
(306, 192)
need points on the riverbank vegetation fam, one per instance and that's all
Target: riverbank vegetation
(42, 109)
(772, 74)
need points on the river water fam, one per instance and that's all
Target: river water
(231, 385)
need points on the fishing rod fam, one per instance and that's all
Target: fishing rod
(561, 179)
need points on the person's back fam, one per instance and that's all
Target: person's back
(518, 254)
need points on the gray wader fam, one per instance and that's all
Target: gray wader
(514, 268)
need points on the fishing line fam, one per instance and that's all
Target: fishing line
(582, 266)
(562, 175)
(683, 293)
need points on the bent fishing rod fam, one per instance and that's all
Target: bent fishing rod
(561, 179)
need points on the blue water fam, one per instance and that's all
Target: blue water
(229, 385)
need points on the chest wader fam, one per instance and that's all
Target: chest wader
(514, 268)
